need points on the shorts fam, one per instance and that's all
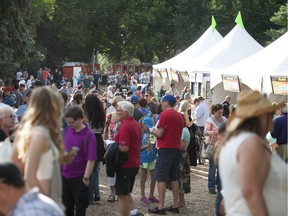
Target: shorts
(167, 165)
(111, 181)
(148, 166)
(125, 178)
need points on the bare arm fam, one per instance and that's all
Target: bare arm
(253, 161)
(88, 171)
(188, 123)
(158, 133)
(183, 145)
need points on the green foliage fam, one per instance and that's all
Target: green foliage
(255, 15)
(16, 45)
(121, 30)
(280, 20)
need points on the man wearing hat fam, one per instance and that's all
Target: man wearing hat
(16, 199)
(21, 109)
(168, 135)
(137, 115)
(8, 99)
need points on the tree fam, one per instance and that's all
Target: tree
(255, 15)
(280, 20)
(16, 44)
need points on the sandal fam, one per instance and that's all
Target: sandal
(111, 198)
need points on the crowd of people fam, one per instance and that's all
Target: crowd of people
(54, 136)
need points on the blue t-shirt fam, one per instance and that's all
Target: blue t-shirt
(148, 154)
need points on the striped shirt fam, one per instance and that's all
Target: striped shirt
(33, 203)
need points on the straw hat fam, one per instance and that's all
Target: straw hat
(251, 104)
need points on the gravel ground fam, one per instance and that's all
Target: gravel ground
(198, 203)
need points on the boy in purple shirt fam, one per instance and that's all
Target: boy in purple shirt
(78, 140)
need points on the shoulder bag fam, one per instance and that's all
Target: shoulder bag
(208, 149)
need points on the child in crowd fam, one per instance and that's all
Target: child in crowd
(147, 158)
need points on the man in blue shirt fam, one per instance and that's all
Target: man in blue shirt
(8, 99)
(16, 199)
(280, 133)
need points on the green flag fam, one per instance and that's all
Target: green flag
(239, 21)
(213, 23)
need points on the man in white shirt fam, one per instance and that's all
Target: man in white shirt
(201, 114)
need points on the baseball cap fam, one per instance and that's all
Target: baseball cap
(27, 92)
(8, 88)
(171, 99)
(134, 99)
(10, 174)
(148, 122)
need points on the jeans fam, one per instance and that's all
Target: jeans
(218, 201)
(75, 195)
(213, 177)
(94, 182)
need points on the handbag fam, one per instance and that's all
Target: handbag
(208, 149)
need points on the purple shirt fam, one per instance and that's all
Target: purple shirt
(86, 142)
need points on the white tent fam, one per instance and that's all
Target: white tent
(235, 46)
(256, 70)
(209, 38)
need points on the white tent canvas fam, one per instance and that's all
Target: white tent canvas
(256, 70)
(209, 38)
(235, 46)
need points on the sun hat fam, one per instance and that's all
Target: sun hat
(10, 174)
(134, 99)
(251, 104)
(148, 122)
(170, 98)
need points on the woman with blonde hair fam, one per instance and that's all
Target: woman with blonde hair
(38, 142)
(184, 168)
(253, 178)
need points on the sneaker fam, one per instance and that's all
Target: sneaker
(96, 198)
(144, 200)
(111, 198)
(153, 199)
(171, 209)
(212, 191)
(156, 210)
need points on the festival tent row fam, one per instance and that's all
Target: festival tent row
(256, 71)
(165, 72)
(235, 46)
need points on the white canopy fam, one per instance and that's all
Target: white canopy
(235, 46)
(204, 43)
(273, 60)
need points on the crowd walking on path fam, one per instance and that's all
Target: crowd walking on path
(55, 138)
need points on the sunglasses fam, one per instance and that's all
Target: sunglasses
(146, 95)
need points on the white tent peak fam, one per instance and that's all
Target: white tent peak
(204, 43)
(235, 46)
(272, 60)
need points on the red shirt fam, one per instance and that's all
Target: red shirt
(129, 134)
(173, 123)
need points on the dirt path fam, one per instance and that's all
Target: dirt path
(198, 203)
